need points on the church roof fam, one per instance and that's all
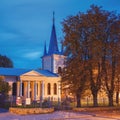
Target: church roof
(18, 72)
(53, 45)
(12, 71)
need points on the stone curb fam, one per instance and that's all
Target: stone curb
(26, 111)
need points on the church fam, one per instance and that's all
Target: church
(38, 84)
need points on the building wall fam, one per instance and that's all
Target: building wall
(47, 63)
(52, 96)
(58, 61)
(10, 80)
(53, 62)
(34, 77)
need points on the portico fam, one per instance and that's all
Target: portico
(36, 85)
(30, 89)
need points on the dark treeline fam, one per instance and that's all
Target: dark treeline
(92, 46)
(5, 61)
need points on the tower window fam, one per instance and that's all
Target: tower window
(59, 70)
(55, 88)
(49, 89)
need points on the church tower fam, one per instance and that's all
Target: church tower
(53, 59)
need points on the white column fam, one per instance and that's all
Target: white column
(28, 89)
(35, 90)
(42, 92)
(39, 90)
(20, 88)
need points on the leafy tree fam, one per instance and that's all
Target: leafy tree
(75, 73)
(91, 43)
(75, 80)
(4, 86)
(108, 33)
(5, 62)
(93, 24)
(4, 89)
(111, 55)
(117, 81)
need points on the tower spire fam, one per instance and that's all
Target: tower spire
(53, 45)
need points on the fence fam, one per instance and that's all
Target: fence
(66, 103)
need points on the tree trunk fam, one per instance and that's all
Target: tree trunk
(95, 102)
(110, 98)
(78, 100)
(117, 97)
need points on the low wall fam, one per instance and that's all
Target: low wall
(25, 111)
(95, 109)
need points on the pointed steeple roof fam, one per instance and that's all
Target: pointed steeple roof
(45, 50)
(53, 45)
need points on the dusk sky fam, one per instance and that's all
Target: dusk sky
(26, 24)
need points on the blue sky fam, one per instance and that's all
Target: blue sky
(26, 24)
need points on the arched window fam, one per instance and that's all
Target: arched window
(59, 70)
(22, 89)
(55, 88)
(49, 89)
(14, 89)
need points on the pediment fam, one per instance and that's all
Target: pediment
(32, 73)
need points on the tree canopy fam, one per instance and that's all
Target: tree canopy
(5, 61)
(92, 47)
(4, 86)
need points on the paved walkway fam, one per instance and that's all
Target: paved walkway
(57, 115)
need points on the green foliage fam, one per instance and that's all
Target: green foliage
(4, 86)
(5, 62)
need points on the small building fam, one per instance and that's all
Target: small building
(33, 84)
(38, 84)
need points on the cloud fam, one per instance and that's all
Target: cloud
(32, 55)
